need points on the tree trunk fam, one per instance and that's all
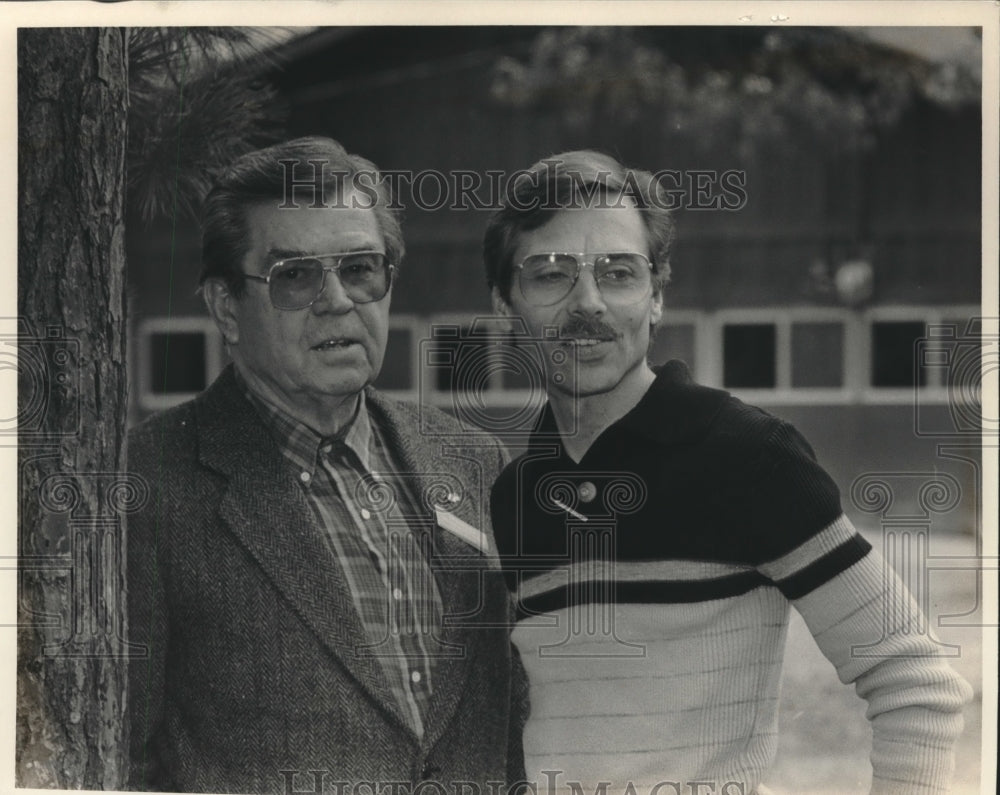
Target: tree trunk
(74, 492)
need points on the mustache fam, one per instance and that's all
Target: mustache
(587, 327)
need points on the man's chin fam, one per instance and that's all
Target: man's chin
(591, 379)
(581, 387)
(342, 381)
(348, 383)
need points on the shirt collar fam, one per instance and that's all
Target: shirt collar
(300, 443)
(674, 409)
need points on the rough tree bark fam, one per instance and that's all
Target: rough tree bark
(72, 104)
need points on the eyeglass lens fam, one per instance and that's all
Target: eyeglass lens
(298, 283)
(548, 278)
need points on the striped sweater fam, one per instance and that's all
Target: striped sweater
(654, 580)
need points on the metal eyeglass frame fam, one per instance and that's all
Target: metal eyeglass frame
(335, 268)
(580, 257)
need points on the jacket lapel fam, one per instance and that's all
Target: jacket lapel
(440, 468)
(266, 511)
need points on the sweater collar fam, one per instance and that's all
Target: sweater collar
(674, 410)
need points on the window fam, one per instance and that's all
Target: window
(749, 355)
(177, 357)
(177, 362)
(894, 349)
(474, 368)
(817, 355)
(964, 345)
(458, 359)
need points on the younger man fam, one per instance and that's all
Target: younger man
(657, 532)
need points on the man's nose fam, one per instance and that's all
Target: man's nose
(585, 298)
(333, 297)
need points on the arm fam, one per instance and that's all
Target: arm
(868, 626)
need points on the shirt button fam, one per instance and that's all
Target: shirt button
(366, 514)
(397, 594)
(326, 448)
(415, 677)
(305, 477)
(587, 491)
(429, 770)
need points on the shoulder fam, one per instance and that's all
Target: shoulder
(427, 421)
(166, 433)
(399, 411)
(760, 436)
(677, 412)
(679, 416)
(776, 485)
(682, 411)
(162, 453)
(765, 454)
(752, 474)
(219, 423)
(410, 412)
(744, 429)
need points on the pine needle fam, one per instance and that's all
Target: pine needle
(196, 102)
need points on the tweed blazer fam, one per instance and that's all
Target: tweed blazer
(255, 677)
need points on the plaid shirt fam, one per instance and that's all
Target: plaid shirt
(351, 484)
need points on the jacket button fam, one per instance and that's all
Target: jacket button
(587, 491)
(429, 771)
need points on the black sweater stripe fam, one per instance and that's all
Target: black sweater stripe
(642, 592)
(686, 592)
(825, 568)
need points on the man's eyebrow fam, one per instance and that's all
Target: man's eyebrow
(283, 253)
(275, 254)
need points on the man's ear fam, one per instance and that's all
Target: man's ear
(656, 308)
(500, 307)
(223, 306)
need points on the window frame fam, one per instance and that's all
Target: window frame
(498, 396)
(147, 397)
(934, 391)
(857, 361)
(706, 368)
(416, 326)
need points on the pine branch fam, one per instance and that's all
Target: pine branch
(195, 104)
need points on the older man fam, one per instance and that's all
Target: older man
(657, 532)
(315, 582)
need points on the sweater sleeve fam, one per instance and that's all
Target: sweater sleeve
(867, 624)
